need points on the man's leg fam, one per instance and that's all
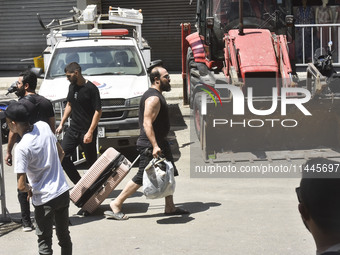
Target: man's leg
(44, 219)
(133, 185)
(169, 204)
(129, 189)
(25, 211)
(170, 207)
(69, 144)
(61, 204)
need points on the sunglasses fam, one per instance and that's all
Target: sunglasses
(298, 194)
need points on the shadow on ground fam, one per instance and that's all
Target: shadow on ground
(192, 207)
(137, 208)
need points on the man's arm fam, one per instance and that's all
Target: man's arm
(61, 152)
(151, 110)
(12, 138)
(51, 123)
(67, 113)
(95, 120)
(23, 186)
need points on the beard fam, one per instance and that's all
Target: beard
(20, 92)
(165, 86)
(74, 80)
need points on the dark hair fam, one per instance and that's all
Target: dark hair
(30, 78)
(320, 194)
(154, 73)
(18, 112)
(72, 67)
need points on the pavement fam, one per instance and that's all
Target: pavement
(228, 215)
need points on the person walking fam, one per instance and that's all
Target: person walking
(37, 159)
(154, 127)
(84, 107)
(39, 108)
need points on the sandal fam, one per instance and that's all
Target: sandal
(115, 216)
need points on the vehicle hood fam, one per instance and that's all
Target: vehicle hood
(122, 86)
(255, 49)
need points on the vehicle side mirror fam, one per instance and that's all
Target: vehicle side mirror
(38, 72)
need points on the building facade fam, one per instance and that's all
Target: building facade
(22, 37)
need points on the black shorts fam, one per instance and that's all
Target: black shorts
(145, 158)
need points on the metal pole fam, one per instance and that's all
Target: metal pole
(4, 217)
(321, 32)
(303, 45)
(240, 29)
(312, 38)
(337, 50)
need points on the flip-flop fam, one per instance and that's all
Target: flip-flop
(115, 216)
(178, 211)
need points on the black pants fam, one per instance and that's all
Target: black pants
(55, 210)
(25, 208)
(72, 139)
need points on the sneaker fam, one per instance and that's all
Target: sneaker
(27, 227)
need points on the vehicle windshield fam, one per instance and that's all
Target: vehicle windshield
(268, 14)
(105, 60)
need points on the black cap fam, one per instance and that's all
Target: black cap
(16, 112)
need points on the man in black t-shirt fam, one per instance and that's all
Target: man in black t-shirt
(39, 108)
(84, 107)
(154, 127)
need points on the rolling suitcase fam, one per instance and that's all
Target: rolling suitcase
(100, 180)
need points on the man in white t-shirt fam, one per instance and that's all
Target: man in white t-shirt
(38, 156)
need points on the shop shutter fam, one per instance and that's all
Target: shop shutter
(21, 36)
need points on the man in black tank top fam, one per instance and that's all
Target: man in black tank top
(154, 128)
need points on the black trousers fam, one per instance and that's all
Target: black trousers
(25, 208)
(54, 211)
(72, 139)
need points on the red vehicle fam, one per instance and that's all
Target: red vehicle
(238, 78)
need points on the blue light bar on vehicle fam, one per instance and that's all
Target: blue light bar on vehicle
(95, 33)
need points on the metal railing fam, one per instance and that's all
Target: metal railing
(310, 37)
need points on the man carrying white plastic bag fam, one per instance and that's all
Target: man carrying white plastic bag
(154, 127)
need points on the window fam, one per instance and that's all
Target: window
(100, 60)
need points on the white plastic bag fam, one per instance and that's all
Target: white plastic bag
(158, 179)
